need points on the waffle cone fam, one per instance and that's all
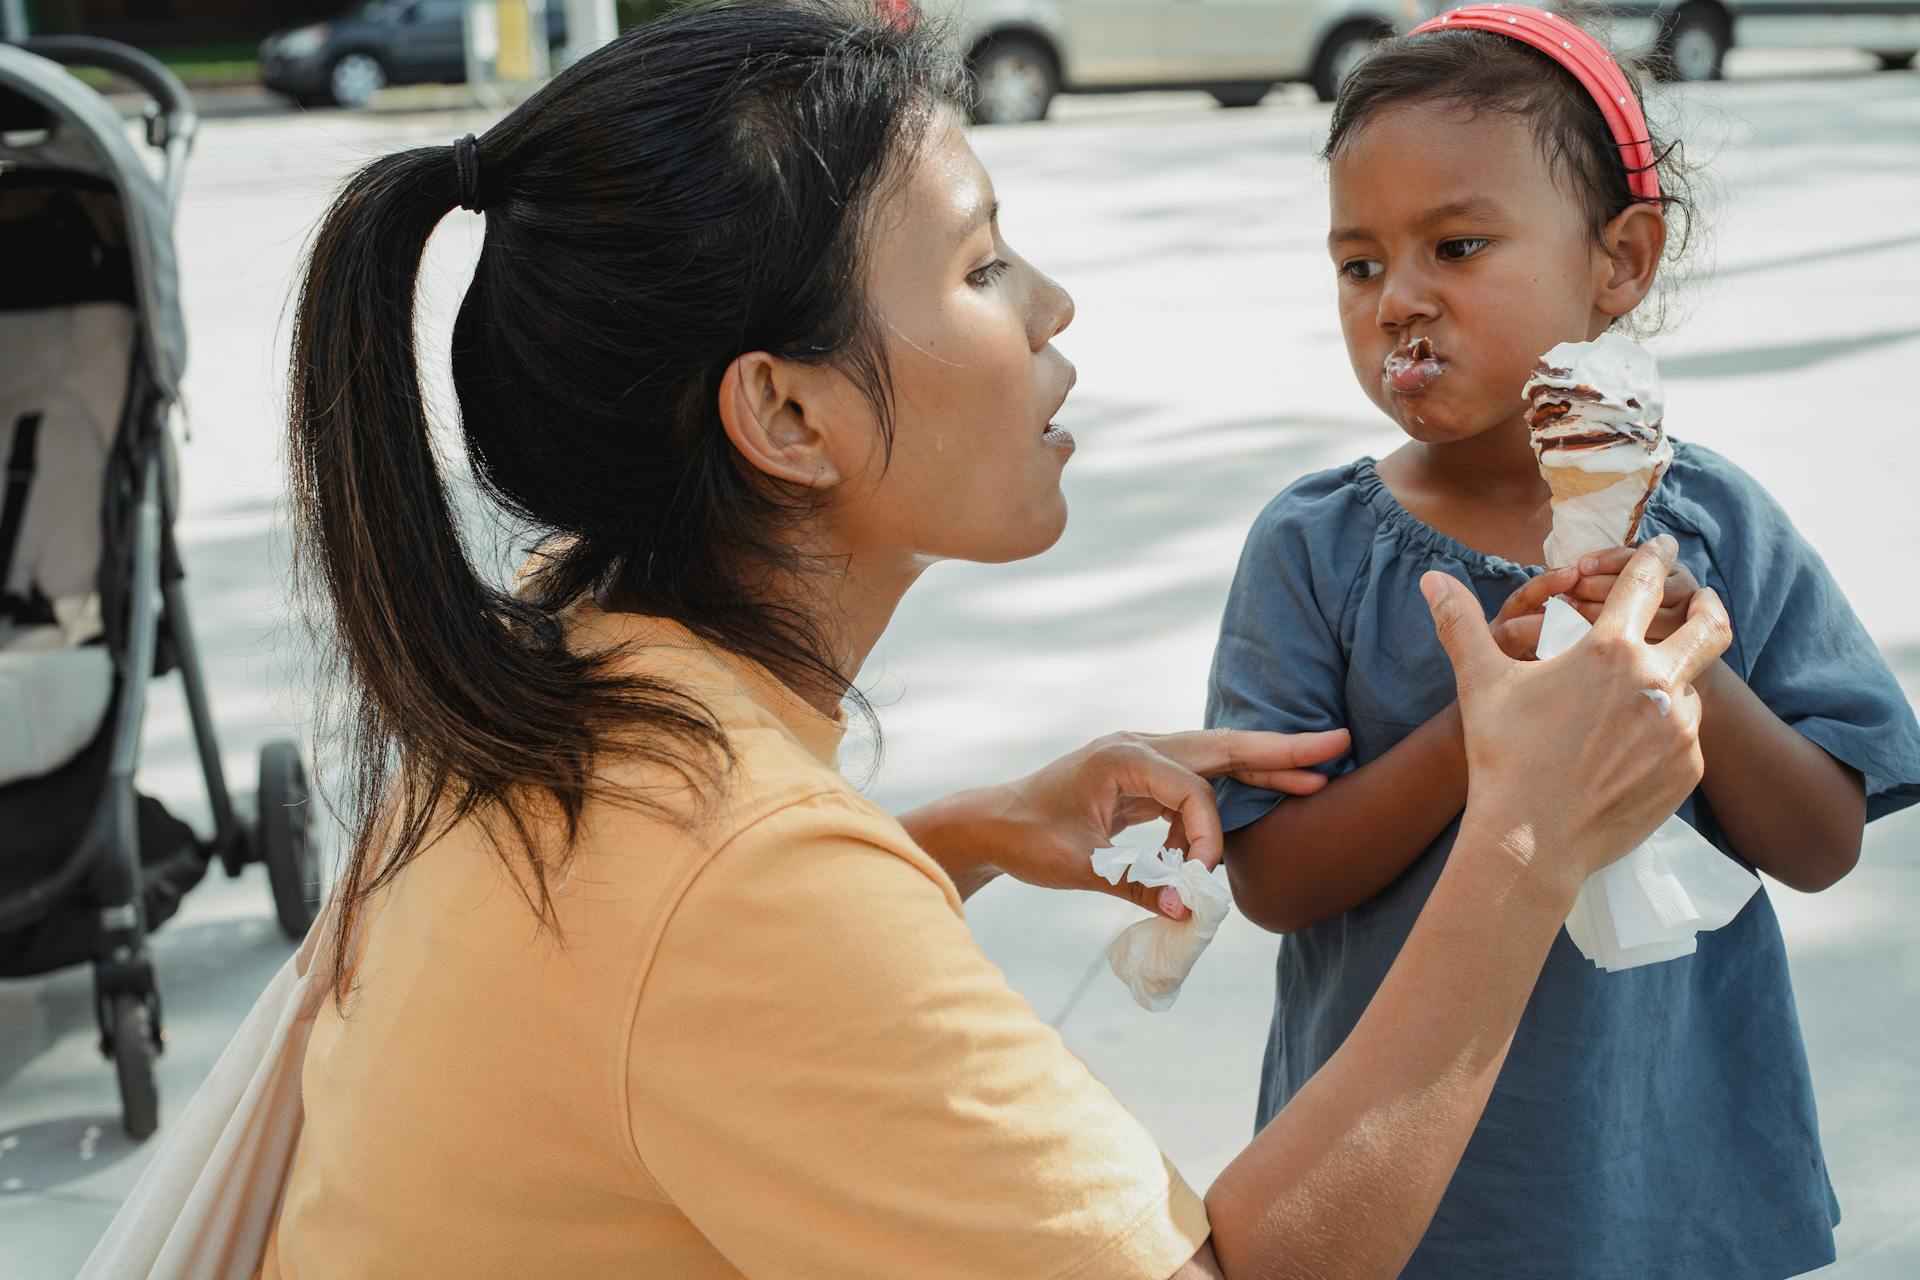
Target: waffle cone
(1573, 482)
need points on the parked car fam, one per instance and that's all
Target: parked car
(1689, 39)
(353, 57)
(1025, 52)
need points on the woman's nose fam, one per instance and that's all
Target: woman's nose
(1052, 312)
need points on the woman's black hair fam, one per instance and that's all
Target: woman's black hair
(697, 189)
(1479, 71)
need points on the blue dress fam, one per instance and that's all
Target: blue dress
(1654, 1124)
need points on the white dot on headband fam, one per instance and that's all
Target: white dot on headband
(1623, 102)
(1566, 44)
(1513, 21)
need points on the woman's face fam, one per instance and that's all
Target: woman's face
(967, 326)
(1455, 229)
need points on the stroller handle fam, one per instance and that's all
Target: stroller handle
(143, 69)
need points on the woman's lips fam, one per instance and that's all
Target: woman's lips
(1412, 367)
(1054, 434)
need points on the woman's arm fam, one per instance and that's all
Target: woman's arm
(1312, 857)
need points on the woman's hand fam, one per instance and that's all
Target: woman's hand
(1573, 762)
(1516, 628)
(1044, 828)
(1600, 573)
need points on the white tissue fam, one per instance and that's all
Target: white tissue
(1154, 956)
(1650, 905)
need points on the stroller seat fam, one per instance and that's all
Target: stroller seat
(63, 385)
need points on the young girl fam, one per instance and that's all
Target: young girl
(1657, 1122)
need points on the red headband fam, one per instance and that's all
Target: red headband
(1590, 64)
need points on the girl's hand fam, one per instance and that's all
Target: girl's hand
(1044, 828)
(1600, 572)
(1516, 628)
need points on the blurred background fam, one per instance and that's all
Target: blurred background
(1156, 156)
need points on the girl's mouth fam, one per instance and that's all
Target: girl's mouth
(1412, 367)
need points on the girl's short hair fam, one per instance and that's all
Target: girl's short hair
(1480, 71)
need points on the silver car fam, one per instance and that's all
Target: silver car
(1024, 52)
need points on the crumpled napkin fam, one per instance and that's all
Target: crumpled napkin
(1650, 905)
(1154, 956)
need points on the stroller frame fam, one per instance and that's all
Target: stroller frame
(145, 608)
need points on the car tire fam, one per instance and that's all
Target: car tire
(1236, 96)
(1014, 81)
(1693, 48)
(1895, 61)
(1340, 54)
(354, 77)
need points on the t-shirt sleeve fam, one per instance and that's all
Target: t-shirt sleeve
(1279, 665)
(1805, 652)
(829, 1078)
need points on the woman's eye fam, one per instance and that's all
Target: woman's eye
(988, 274)
(1361, 268)
(1462, 248)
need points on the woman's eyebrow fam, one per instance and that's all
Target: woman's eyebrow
(983, 215)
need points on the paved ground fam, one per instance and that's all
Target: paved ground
(1211, 376)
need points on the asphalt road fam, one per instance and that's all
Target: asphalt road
(1211, 376)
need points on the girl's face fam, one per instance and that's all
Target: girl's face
(967, 326)
(1462, 258)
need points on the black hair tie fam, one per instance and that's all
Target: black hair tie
(466, 163)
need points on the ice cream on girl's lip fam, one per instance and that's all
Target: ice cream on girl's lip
(1411, 367)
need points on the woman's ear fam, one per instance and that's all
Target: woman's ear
(1632, 245)
(763, 411)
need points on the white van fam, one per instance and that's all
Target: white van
(1691, 37)
(1024, 52)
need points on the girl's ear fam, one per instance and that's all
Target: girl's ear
(763, 411)
(1632, 244)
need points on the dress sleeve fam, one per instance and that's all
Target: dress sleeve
(829, 1078)
(1280, 665)
(1805, 652)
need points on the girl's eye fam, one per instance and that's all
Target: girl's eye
(988, 274)
(1358, 269)
(1462, 248)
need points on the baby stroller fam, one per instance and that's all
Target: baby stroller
(92, 345)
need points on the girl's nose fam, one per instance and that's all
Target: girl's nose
(1406, 298)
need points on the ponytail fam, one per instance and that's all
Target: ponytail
(665, 204)
(462, 698)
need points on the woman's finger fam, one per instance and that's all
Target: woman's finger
(1607, 563)
(1700, 640)
(1295, 782)
(1213, 752)
(1636, 597)
(1534, 594)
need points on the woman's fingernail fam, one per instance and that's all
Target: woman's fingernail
(1171, 906)
(1589, 564)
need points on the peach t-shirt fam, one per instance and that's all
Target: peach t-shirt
(766, 1047)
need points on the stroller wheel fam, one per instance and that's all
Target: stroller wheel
(284, 821)
(133, 1054)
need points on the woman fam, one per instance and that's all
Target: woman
(632, 982)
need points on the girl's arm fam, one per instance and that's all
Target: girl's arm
(1791, 809)
(1312, 857)
(1315, 856)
